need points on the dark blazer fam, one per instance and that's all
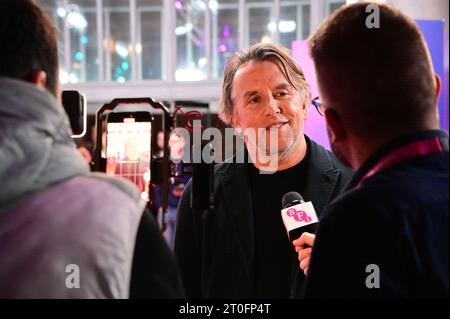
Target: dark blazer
(215, 250)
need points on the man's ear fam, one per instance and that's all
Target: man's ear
(234, 120)
(336, 129)
(235, 124)
(437, 82)
(305, 111)
(38, 78)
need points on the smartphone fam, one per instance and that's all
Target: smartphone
(74, 104)
(128, 148)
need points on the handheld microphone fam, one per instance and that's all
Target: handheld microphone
(298, 216)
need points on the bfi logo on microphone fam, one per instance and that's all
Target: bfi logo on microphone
(299, 215)
(298, 219)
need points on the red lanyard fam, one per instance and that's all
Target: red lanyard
(403, 153)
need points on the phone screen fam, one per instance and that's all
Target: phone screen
(128, 148)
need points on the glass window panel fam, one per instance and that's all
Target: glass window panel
(306, 21)
(55, 9)
(117, 41)
(82, 24)
(224, 31)
(289, 24)
(333, 5)
(150, 48)
(222, 2)
(294, 21)
(260, 21)
(149, 39)
(190, 34)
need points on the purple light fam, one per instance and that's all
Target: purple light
(226, 31)
(178, 5)
(223, 48)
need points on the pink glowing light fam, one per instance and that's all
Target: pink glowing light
(223, 48)
(226, 31)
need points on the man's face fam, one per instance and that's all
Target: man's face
(329, 98)
(160, 140)
(337, 148)
(176, 145)
(263, 98)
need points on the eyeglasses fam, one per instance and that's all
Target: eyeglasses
(319, 106)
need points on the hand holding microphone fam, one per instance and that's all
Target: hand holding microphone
(300, 220)
(303, 246)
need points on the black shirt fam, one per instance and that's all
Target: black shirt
(154, 273)
(276, 262)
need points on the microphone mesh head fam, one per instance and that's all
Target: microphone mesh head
(290, 197)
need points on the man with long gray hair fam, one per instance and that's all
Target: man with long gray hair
(241, 250)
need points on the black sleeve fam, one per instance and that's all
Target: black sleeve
(154, 272)
(187, 246)
(354, 235)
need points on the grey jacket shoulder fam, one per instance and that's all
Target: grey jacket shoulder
(120, 183)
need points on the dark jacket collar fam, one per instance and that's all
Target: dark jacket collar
(322, 177)
(394, 144)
